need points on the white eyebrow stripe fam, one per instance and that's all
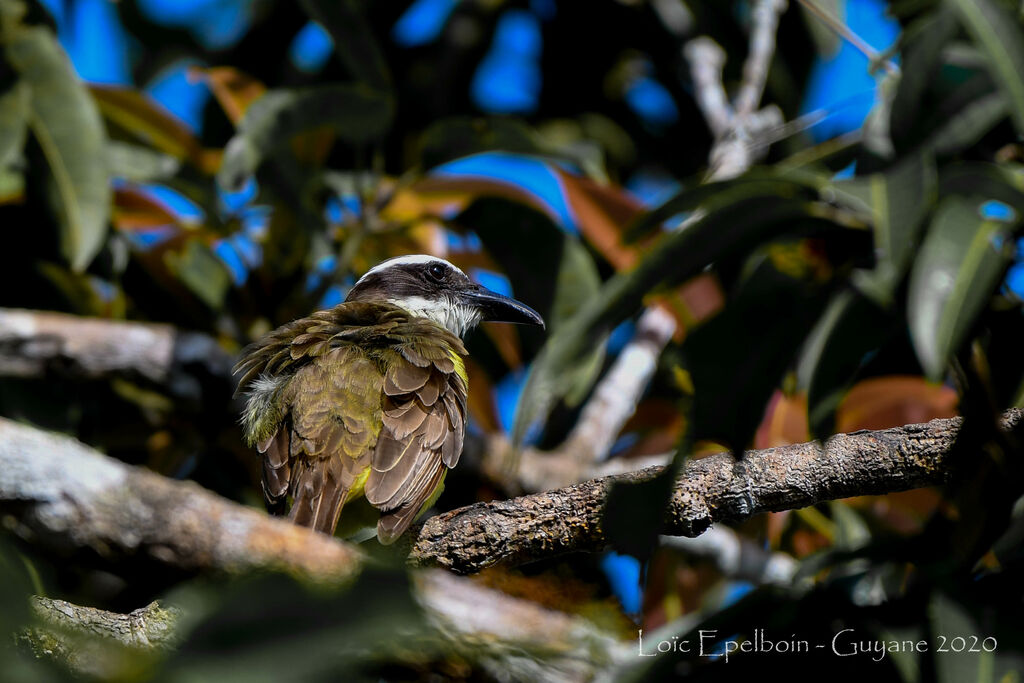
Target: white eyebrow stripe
(409, 260)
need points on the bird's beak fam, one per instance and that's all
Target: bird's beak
(499, 308)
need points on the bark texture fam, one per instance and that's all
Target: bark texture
(63, 496)
(713, 489)
(60, 494)
(40, 344)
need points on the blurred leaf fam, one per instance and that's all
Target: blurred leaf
(893, 401)
(15, 108)
(984, 181)
(851, 327)
(850, 530)
(506, 342)
(998, 33)
(898, 201)
(271, 628)
(633, 515)
(923, 43)
(482, 408)
(139, 164)
(602, 213)
(461, 136)
(234, 90)
(754, 183)
(79, 294)
(136, 210)
(12, 186)
(18, 581)
(353, 40)
(437, 195)
(733, 379)
(549, 270)
(961, 262)
(67, 125)
(355, 113)
(133, 115)
(965, 115)
(14, 114)
(735, 223)
(201, 271)
(949, 619)
(784, 423)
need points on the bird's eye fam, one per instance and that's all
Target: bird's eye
(436, 271)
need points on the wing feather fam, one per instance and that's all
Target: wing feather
(361, 389)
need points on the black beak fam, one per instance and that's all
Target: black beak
(501, 309)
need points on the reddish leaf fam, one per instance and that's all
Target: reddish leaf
(785, 422)
(482, 408)
(138, 116)
(234, 90)
(137, 210)
(883, 402)
(601, 212)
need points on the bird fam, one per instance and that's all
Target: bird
(368, 398)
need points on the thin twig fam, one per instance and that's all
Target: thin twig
(844, 31)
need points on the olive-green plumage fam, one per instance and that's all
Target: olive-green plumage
(362, 399)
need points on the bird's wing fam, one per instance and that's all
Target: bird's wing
(333, 425)
(363, 397)
(314, 408)
(423, 424)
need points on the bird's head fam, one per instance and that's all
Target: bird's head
(431, 287)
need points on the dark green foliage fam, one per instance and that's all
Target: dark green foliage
(813, 287)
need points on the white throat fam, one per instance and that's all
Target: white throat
(456, 317)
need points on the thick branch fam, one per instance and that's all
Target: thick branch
(66, 497)
(62, 495)
(713, 489)
(151, 626)
(95, 643)
(38, 344)
(515, 639)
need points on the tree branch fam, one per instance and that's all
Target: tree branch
(38, 344)
(151, 626)
(63, 496)
(69, 499)
(713, 489)
(514, 639)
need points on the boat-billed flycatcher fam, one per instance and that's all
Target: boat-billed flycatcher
(369, 397)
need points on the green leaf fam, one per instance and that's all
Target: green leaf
(898, 201)
(353, 40)
(269, 628)
(998, 33)
(67, 125)
(961, 262)
(548, 269)
(733, 376)
(851, 326)
(969, 124)
(984, 181)
(734, 224)
(633, 514)
(922, 47)
(14, 113)
(756, 182)
(139, 164)
(950, 619)
(460, 136)
(354, 112)
(202, 272)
